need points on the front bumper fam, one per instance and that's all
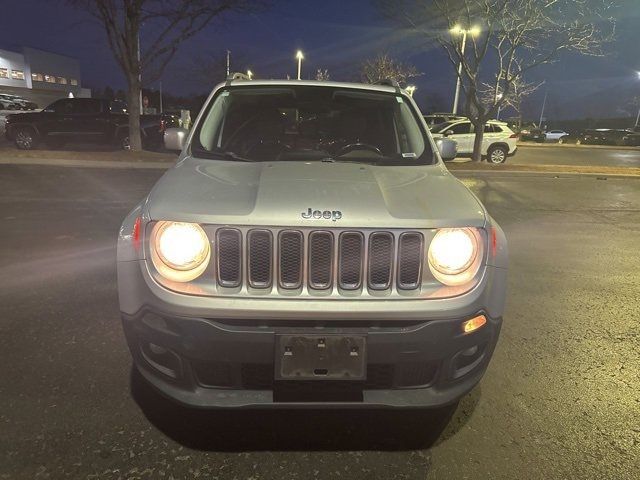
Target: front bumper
(214, 352)
(209, 363)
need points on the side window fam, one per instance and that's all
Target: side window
(86, 106)
(63, 107)
(461, 128)
(488, 128)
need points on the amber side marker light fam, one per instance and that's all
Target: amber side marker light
(474, 324)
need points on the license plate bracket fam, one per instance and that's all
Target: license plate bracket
(321, 357)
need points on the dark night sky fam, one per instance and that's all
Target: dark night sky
(336, 35)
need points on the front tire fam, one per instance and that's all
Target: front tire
(26, 138)
(497, 154)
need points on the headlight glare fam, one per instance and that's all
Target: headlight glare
(454, 255)
(180, 251)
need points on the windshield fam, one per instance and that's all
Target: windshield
(307, 123)
(440, 127)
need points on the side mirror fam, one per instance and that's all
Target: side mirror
(448, 148)
(175, 138)
(447, 133)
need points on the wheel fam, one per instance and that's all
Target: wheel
(26, 139)
(497, 154)
(562, 140)
(578, 142)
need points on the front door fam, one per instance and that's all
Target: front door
(462, 133)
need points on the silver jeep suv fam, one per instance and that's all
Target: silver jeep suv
(310, 248)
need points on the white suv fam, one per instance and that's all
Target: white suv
(498, 142)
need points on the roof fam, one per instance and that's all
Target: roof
(315, 83)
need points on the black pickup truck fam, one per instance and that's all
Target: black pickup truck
(82, 120)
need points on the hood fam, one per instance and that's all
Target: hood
(287, 194)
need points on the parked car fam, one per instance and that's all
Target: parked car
(569, 138)
(603, 136)
(531, 133)
(81, 120)
(632, 137)
(554, 135)
(310, 249)
(498, 142)
(21, 103)
(438, 118)
(7, 102)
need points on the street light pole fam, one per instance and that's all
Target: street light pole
(228, 61)
(455, 99)
(544, 102)
(299, 56)
(456, 30)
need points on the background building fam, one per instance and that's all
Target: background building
(39, 76)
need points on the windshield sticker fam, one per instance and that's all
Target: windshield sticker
(399, 99)
(409, 155)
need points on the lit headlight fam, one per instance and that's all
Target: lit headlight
(179, 251)
(455, 255)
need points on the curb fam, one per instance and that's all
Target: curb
(534, 173)
(572, 145)
(85, 163)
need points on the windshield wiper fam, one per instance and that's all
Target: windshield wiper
(216, 155)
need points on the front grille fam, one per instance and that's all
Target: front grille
(380, 260)
(410, 251)
(321, 262)
(229, 255)
(350, 266)
(259, 252)
(291, 253)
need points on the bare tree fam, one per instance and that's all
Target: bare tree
(168, 24)
(209, 68)
(383, 67)
(513, 37)
(520, 90)
(323, 75)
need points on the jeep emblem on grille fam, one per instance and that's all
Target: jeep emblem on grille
(326, 214)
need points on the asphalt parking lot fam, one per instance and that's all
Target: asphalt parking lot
(560, 398)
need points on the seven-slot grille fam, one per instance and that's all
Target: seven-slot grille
(288, 259)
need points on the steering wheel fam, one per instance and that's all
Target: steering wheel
(358, 146)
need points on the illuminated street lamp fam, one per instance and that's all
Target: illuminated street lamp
(457, 30)
(498, 97)
(410, 89)
(249, 74)
(299, 56)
